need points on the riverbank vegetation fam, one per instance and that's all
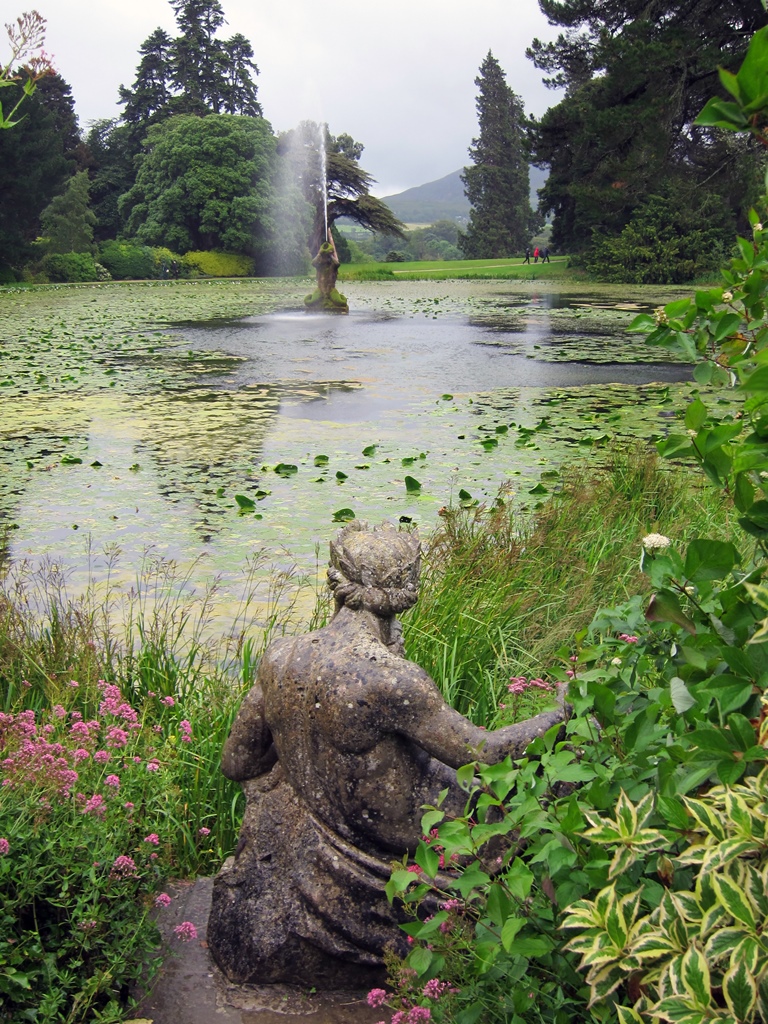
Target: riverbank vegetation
(617, 873)
(115, 707)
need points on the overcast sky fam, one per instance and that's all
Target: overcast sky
(397, 75)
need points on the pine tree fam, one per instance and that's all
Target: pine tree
(195, 73)
(67, 222)
(151, 91)
(636, 75)
(497, 186)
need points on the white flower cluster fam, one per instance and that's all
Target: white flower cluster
(656, 542)
(727, 296)
(660, 316)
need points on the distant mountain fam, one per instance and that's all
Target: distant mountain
(443, 199)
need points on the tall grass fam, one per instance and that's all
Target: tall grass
(501, 593)
(154, 640)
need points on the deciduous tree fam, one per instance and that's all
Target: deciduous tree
(309, 154)
(204, 183)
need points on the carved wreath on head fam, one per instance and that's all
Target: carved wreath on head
(375, 568)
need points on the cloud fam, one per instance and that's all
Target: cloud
(398, 76)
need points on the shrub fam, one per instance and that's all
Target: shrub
(219, 264)
(87, 833)
(69, 266)
(672, 238)
(126, 261)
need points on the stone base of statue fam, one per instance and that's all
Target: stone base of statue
(298, 904)
(333, 302)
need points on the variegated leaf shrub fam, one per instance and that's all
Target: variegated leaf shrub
(702, 953)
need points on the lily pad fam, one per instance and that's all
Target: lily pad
(343, 515)
(412, 485)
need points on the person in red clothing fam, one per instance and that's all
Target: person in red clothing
(536, 254)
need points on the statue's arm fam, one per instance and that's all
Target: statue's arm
(433, 724)
(249, 750)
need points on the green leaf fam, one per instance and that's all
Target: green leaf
(721, 114)
(427, 858)
(665, 607)
(740, 990)
(518, 878)
(742, 731)
(343, 515)
(734, 900)
(370, 450)
(321, 460)
(340, 476)
(677, 308)
(286, 469)
(412, 485)
(682, 699)
(695, 974)
(70, 460)
(420, 959)
(709, 560)
(696, 414)
(510, 929)
(245, 504)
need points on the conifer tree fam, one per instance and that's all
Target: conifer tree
(67, 222)
(194, 73)
(497, 185)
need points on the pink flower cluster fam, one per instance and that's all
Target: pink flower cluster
(628, 638)
(32, 758)
(112, 703)
(123, 867)
(4, 847)
(186, 731)
(520, 684)
(186, 931)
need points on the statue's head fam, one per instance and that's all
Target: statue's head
(375, 568)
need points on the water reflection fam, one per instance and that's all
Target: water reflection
(467, 395)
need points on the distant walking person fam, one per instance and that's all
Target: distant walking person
(536, 254)
(545, 255)
(527, 255)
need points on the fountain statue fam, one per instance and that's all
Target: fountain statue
(325, 296)
(338, 745)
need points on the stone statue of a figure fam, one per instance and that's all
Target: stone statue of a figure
(326, 296)
(339, 744)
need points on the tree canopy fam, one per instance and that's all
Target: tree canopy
(204, 183)
(497, 183)
(636, 74)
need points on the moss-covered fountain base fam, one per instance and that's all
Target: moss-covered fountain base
(334, 302)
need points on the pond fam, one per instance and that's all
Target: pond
(213, 420)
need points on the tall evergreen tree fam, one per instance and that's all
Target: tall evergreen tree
(151, 92)
(636, 74)
(34, 166)
(194, 73)
(67, 222)
(497, 185)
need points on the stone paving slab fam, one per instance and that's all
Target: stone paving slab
(190, 989)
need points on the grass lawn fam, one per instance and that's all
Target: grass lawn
(445, 269)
